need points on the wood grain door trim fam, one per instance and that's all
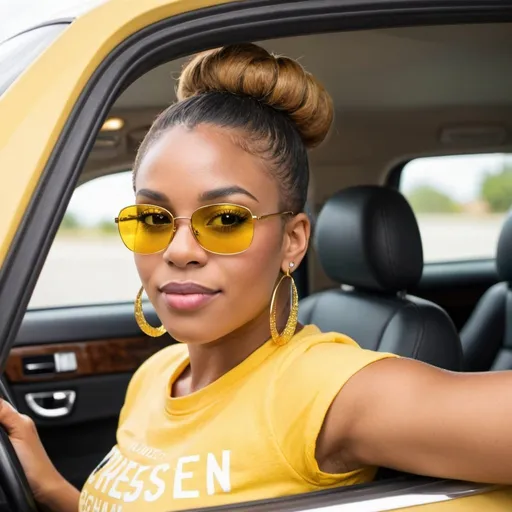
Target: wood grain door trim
(96, 357)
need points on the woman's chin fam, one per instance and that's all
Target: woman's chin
(192, 331)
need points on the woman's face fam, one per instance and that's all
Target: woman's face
(183, 170)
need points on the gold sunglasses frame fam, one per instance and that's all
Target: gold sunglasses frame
(117, 220)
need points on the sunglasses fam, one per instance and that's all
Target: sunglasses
(218, 228)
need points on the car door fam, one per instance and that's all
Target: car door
(69, 370)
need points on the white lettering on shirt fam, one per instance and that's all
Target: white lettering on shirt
(222, 474)
(120, 480)
(137, 484)
(147, 451)
(181, 475)
(157, 481)
(123, 477)
(109, 471)
(104, 462)
(88, 503)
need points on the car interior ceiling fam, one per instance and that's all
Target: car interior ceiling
(399, 93)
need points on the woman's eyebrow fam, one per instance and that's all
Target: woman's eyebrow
(218, 193)
(152, 194)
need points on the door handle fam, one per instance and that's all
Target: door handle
(51, 404)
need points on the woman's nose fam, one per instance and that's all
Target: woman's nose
(184, 249)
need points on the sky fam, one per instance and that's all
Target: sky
(102, 199)
(458, 176)
(17, 15)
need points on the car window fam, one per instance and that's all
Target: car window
(460, 203)
(88, 263)
(18, 52)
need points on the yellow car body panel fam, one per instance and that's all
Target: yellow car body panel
(35, 108)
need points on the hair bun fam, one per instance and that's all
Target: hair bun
(279, 82)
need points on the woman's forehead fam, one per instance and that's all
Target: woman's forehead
(189, 162)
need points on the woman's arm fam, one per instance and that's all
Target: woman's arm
(60, 496)
(413, 417)
(50, 489)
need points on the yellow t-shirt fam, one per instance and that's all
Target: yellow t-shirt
(249, 435)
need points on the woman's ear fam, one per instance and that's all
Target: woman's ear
(296, 240)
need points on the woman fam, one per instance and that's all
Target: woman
(246, 408)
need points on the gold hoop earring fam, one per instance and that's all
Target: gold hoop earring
(146, 328)
(291, 324)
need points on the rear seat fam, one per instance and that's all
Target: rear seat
(487, 335)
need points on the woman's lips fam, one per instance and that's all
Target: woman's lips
(188, 301)
(187, 296)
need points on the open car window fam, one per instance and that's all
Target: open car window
(460, 203)
(88, 263)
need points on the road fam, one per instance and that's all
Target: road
(85, 271)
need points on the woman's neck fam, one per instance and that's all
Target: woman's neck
(210, 361)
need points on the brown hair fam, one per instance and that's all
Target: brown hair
(280, 109)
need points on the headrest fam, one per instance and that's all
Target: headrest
(504, 252)
(368, 237)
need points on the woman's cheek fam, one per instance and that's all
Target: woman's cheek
(254, 278)
(146, 264)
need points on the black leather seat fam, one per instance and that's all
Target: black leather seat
(487, 335)
(367, 238)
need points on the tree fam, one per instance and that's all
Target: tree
(496, 190)
(427, 199)
(70, 221)
(107, 226)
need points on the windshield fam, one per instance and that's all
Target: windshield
(18, 52)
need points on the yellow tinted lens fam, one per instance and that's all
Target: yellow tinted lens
(145, 229)
(223, 229)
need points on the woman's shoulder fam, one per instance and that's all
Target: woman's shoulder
(153, 370)
(313, 352)
(310, 336)
(158, 363)
(310, 374)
